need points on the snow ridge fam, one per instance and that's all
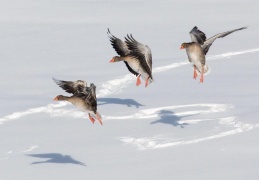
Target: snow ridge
(163, 141)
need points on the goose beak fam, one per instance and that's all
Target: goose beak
(112, 60)
(55, 99)
(181, 47)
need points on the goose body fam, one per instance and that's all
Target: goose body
(84, 98)
(136, 56)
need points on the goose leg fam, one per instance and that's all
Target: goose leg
(99, 118)
(91, 118)
(194, 72)
(146, 82)
(138, 80)
(202, 77)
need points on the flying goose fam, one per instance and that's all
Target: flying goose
(199, 47)
(84, 98)
(136, 56)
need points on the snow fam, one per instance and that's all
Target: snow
(176, 128)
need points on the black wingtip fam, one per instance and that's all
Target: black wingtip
(195, 28)
(56, 80)
(130, 38)
(110, 35)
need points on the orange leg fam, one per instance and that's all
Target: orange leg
(194, 72)
(138, 80)
(146, 82)
(202, 77)
(99, 118)
(91, 118)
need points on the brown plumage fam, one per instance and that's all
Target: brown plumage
(83, 97)
(199, 47)
(196, 57)
(136, 56)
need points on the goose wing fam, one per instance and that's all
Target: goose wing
(208, 42)
(92, 90)
(73, 87)
(141, 52)
(197, 35)
(119, 46)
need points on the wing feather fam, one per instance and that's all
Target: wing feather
(197, 35)
(119, 46)
(73, 87)
(141, 52)
(208, 42)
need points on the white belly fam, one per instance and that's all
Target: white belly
(195, 60)
(135, 66)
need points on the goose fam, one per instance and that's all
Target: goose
(136, 56)
(84, 98)
(199, 47)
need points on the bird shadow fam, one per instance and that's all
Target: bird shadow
(55, 158)
(168, 117)
(127, 102)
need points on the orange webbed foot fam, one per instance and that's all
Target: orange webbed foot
(138, 81)
(99, 118)
(146, 84)
(202, 76)
(91, 118)
(194, 72)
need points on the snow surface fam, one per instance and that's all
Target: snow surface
(176, 128)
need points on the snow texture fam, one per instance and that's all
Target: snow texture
(176, 128)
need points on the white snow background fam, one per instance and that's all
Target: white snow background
(176, 128)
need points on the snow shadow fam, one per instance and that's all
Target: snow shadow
(168, 117)
(55, 158)
(127, 102)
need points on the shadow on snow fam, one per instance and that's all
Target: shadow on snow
(55, 158)
(127, 102)
(168, 117)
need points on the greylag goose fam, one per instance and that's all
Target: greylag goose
(198, 48)
(83, 97)
(136, 56)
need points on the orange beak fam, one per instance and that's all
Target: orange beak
(181, 47)
(112, 60)
(55, 99)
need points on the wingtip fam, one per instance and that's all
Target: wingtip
(129, 37)
(110, 35)
(194, 28)
(54, 79)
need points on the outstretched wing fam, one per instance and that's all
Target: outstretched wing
(119, 46)
(205, 47)
(74, 87)
(141, 52)
(197, 35)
